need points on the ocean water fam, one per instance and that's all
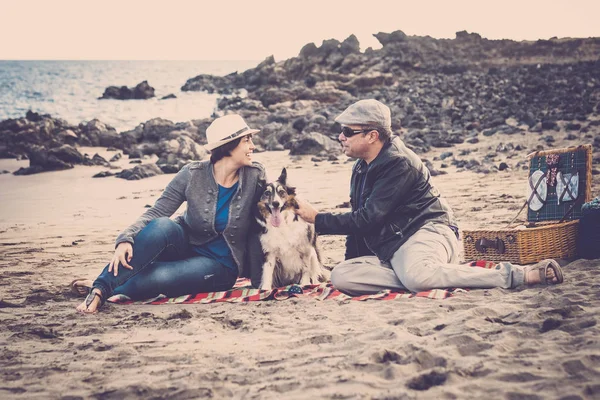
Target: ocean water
(70, 89)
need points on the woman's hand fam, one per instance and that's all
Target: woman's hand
(123, 254)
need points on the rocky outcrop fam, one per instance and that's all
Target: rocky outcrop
(141, 91)
(42, 159)
(96, 133)
(49, 143)
(441, 91)
(176, 144)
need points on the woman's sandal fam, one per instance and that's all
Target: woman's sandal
(90, 299)
(81, 286)
(542, 268)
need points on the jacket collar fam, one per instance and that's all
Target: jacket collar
(242, 173)
(383, 156)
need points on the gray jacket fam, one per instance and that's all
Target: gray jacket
(195, 183)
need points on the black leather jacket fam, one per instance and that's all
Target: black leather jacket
(398, 199)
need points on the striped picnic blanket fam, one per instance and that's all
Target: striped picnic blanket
(243, 292)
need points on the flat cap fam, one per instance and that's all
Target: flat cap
(366, 112)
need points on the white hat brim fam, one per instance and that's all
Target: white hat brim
(212, 146)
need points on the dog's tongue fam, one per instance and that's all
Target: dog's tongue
(276, 218)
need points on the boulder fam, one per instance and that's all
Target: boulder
(97, 133)
(140, 172)
(141, 91)
(314, 143)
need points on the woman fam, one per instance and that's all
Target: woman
(202, 250)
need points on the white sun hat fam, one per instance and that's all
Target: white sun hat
(226, 129)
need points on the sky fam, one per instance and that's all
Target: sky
(256, 29)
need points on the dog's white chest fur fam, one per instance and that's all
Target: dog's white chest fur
(291, 256)
(289, 240)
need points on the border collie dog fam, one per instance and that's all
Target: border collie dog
(289, 243)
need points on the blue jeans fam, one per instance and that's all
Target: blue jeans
(165, 263)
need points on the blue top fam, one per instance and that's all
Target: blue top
(217, 248)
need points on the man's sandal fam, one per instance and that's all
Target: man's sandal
(542, 268)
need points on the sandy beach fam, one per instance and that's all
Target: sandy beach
(530, 343)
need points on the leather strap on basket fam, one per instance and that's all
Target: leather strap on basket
(568, 191)
(483, 244)
(567, 213)
(534, 189)
(534, 192)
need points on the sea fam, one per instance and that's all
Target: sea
(70, 89)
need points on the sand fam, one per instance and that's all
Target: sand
(539, 342)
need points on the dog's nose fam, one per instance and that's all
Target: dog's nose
(276, 204)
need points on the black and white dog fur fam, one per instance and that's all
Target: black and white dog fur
(289, 243)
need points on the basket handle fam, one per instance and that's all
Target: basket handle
(483, 244)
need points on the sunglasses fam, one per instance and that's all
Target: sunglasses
(349, 132)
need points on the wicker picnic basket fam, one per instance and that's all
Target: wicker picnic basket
(552, 230)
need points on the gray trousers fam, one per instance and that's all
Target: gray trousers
(427, 260)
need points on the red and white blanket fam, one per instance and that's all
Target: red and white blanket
(243, 292)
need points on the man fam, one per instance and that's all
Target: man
(401, 235)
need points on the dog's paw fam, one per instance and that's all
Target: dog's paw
(325, 275)
(305, 281)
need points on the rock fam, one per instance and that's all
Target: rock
(41, 159)
(571, 136)
(390, 38)
(169, 96)
(445, 155)
(464, 36)
(350, 45)
(177, 152)
(35, 169)
(140, 172)
(156, 129)
(33, 116)
(116, 157)
(141, 91)
(97, 133)
(67, 153)
(103, 174)
(68, 135)
(96, 160)
(314, 143)
(214, 84)
(308, 50)
(546, 125)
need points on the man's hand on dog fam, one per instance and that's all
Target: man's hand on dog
(306, 211)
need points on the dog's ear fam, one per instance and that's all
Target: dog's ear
(291, 190)
(283, 177)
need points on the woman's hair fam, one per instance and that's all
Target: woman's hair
(225, 150)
